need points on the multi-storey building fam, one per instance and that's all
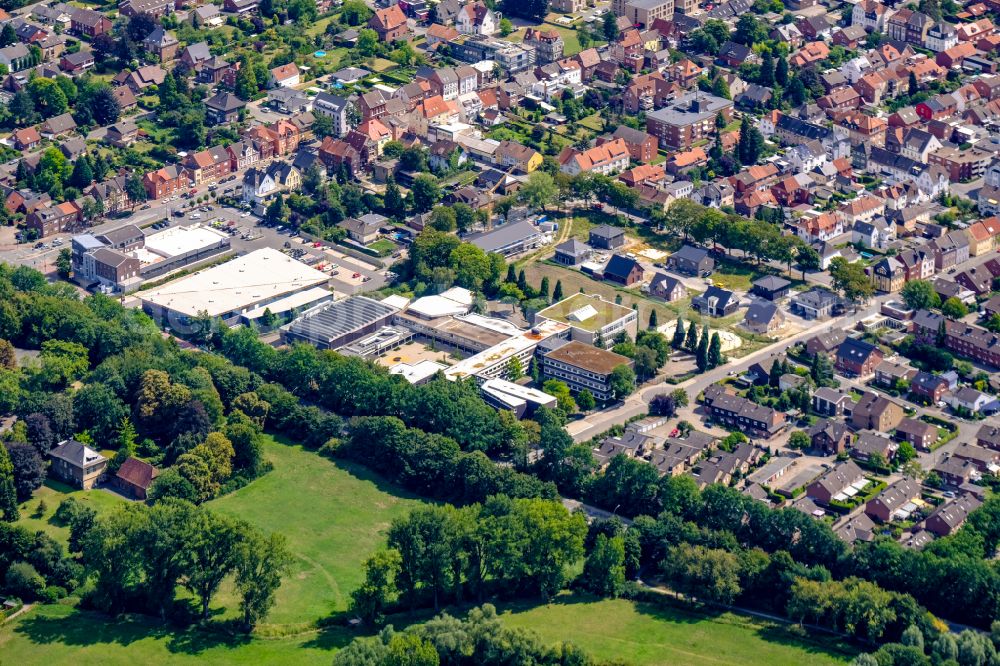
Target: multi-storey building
(689, 118)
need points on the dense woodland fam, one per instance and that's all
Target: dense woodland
(106, 375)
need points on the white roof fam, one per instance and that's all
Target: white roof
(296, 300)
(455, 301)
(583, 314)
(417, 372)
(261, 276)
(396, 301)
(506, 388)
(491, 323)
(178, 240)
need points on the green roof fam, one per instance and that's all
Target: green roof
(606, 312)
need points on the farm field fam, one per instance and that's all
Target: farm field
(334, 515)
(647, 635)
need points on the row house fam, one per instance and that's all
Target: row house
(964, 339)
(112, 194)
(909, 26)
(983, 236)
(53, 220)
(165, 182)
(641, 146)
(244, 154)
(548, 44)
(606, 159)
(918, 264)
(861, 209)
(89, 23)
(862, 128)
(208, 166)
(950, 250)
(337, 154)
(746, 416)
(282, 136)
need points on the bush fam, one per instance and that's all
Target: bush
(52, 594)
(24, 581)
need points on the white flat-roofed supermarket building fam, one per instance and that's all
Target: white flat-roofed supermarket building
(231, 289)
(181, 240)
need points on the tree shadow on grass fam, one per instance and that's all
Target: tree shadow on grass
(87, 628)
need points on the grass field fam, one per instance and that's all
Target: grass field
(334, 514)
(646, 635)
(52, 494)
(63, 635)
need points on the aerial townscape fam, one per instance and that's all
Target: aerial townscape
(515, 332)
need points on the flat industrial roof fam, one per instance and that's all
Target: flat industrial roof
(299, 299)
(179, 240)
(340, 318)
(605, 313)
(502, 352)
(457, 327)
(417, 372)
(242, 283)
(588, 357)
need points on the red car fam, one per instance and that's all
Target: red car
(356, 276)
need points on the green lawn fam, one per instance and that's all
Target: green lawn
(644, 635)
(52, 494)
(334, 514)
(63, 635)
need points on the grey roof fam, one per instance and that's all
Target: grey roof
(573, 247)
(620, 266)
(198, 52)
(817, 298)
(771, 283)
(761, 313)
(225, 102)
(607, 231)
(690, 253)
(336, 319)
(503, 236)
(76, 453)
(690, 108)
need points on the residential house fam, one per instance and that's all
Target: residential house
(895, 502)
(641, 146)
(285, 76)
(873, 447)
(763, 318)
(857, 358)
(53, 220)
(876, 412)
(623, 270)
(951, 515)
(606, 159)
(513, 154)
(715, 302)
(161, 43)
(364, 229)
(746, 416)
(165, 182)
(122, 134)
(223, 108)
(89, 23)
(829, 436)
(58, 126)
(476, 19)
(831, 402)
(572, 253)
(814, 304)
(771, 287)
(389, 23)
(607, 237)
(888, 275)
(836, 483)
(208, 165)
(918, 433)
(77, 464)
(691, 260)
(667, 288)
